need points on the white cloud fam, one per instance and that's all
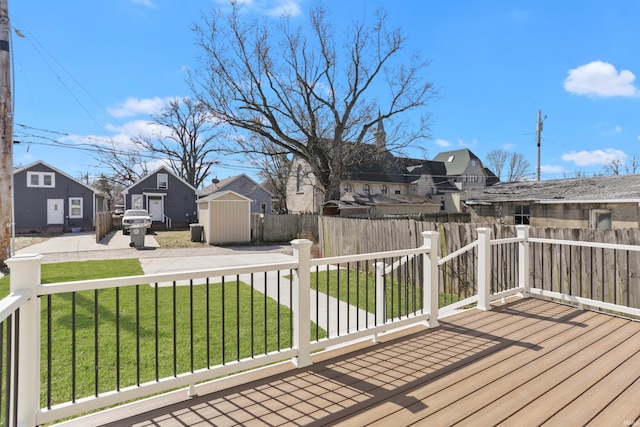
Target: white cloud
(508, 147)
(599, 78)
(444, 142)
(595, 157)
(147, 3)
(134, 106)
(473, 143)
(551, 169)
(275, 8)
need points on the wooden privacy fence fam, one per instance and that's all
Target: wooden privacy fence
(599, 273)
(283, 228)
(104, 224)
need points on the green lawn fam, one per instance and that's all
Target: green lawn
(357, 288)
(246, 313)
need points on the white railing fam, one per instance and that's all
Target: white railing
(23, 406)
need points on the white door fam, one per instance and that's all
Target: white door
(55, 211)
(155, 209)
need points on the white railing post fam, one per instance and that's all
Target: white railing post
(302, 302)
(484, 268)
(430, 279)
(380, 302)
(25, 275)
(523, 259)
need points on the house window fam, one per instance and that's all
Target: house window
(163, 181)
(136, 201)
(473, 163)
(397, 192)
(601, 218)
(348, 188)
(75, 207)
(442, 206)
(384, 189)
(522, 215)
(299, 176)
(450, 159)
(263, 208)
(41, 179)
(366, 188)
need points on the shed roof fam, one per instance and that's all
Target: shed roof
(223, 195)
(623, 187)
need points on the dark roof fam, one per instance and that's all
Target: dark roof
(596, 188)
(456, 161)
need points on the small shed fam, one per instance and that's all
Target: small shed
(225, 218)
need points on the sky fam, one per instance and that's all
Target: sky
(86, 71)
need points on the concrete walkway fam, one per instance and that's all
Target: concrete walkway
(153, 259)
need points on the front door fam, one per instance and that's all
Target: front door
(55, 211)
(155, 209)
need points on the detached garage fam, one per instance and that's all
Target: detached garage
(225, 218)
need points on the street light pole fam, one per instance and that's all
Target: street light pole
(538, 132)
(6, 129)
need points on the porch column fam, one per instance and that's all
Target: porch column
(430, 278)
(301, 302)
(523, 259)
(484, 268)
(25, 276)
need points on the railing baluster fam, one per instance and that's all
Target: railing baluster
(138, 335)
(224, 318)
(96, 335)
(251, 324)
(191, 324)
(208, 318)
(49, 338)
(157, 333)
(175, 329)
(117, 339)
(237, 317)
(73, 347)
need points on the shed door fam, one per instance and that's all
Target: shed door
(55, 211)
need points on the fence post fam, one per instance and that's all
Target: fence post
(523, 259)
(25, 275)
(484, 268)
(430, 279)
(301, 302)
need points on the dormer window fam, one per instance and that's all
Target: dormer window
(450, 159)
(474, 162)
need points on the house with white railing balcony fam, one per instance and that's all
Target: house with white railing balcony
(519, 330)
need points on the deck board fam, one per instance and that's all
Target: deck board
(526, 362)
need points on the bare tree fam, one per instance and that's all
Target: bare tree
(307, 91)
(273, 166)
(632, 165)
(518, 166)
(126, 164)
(614, 166)
(495, 161)
(184, 139)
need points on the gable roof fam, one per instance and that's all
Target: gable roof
(222, 195)
(601, 188)
(456, 161)
(147, 176)
(40, 162)
(223, 183)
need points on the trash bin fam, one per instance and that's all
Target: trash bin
(196, 232)
(137, 233)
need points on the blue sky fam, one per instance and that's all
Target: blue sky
(97, 70)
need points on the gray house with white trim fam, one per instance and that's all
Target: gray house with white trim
(261, 199)
(169, 199)
(48, 200)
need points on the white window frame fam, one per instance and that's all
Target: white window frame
(137, 201)
(162, 178)
(40, 179)
(72, 207)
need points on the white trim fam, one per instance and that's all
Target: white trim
(579, 201)
(71, 207)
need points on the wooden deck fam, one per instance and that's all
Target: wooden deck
(527, 362)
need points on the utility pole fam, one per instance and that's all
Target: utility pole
(538, 132)
(6, 129)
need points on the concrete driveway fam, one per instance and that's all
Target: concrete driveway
(82, 242)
